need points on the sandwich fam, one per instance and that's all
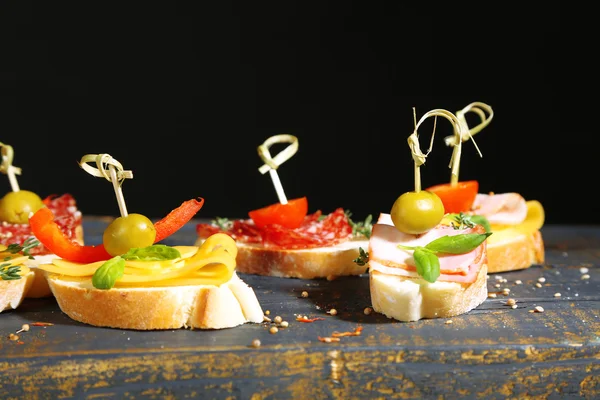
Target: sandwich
(320, 246)
(132, 281)
(284, 240)
(15, 208)
(420, 267)
(516, 222)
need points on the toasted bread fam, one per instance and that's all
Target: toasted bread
(152, 308)
(517, 252)
(322, 262)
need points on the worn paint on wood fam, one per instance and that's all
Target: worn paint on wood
(491, 352)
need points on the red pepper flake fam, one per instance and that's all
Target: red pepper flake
(356, 332)
(42, 324)
(20, 342)
(329, 339)
(304, 319)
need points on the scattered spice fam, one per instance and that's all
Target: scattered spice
(266, 319)
(333, 311)
(511, 302)
(368, 310)
(256, 343)
(541, 279)
(305, 294)
(277, 319)
(538, 285)
(584, 270)
(24, 328)
(539, 309)
(513, 306)
(518, 282)
(557, 294)
(12, 336)
(448, 322)
(284, 324)
(42, 324)
(492, 295)
(267, 312)
(306, 319)
(329, 339)
(584, 277)
(497, 285)
(356, 332)
(273, 330)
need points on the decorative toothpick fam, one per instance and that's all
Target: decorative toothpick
(272, 163)
(484, 112)
(417, 154)
(111, 170)
(7, 168)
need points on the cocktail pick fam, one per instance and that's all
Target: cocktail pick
(417, 154)
(485, 113)
(272, 163)
(7, 168)
(111, 170)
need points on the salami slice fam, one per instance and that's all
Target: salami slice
(316, 231)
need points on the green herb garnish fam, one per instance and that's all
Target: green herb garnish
(8, 273)
(107, 275)
(223, 223)
(156, 252)
(462, 221)
(363, 257)
(426, 259)
(27, 245)
(362, 228)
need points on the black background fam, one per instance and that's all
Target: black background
(183, 93)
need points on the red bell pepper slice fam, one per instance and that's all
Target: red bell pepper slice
(49, 234)
(290, 215)
(177, 218)
(456, 198)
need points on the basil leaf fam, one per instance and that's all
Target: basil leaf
(483, 221)
(107, 275)
(457, 244)
(428, 264)
(156, 252)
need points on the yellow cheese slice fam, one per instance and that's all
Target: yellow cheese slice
(533, 222)
(212, 263)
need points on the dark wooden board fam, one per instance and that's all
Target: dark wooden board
(492, 352)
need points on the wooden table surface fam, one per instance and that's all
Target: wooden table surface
(492, 352)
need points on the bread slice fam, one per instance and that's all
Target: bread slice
(411, 299)
(515, 252)
(323, 262)
(13, 292)
(152, 308)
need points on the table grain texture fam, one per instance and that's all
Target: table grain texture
(492, 352)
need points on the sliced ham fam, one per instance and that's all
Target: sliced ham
(503, 208)
(387, 257)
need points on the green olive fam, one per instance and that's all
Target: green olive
(15, 207)
(417, 212)
(125, 233)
